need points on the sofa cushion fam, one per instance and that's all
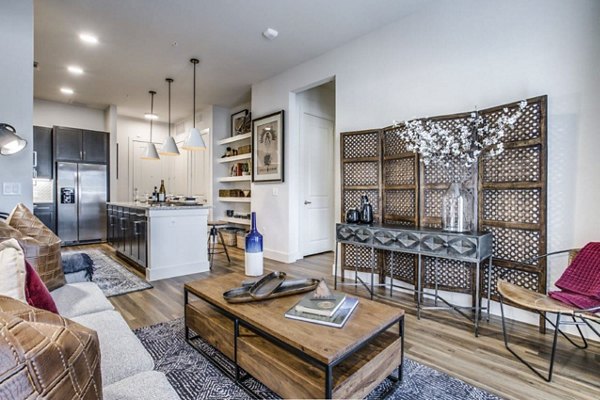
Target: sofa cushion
(44, 257)
(36, 292)
(12, 270)
(123, 355)
(43, 355)
(77, 299)
(150, 385)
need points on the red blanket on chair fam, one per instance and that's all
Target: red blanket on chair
(580, 283)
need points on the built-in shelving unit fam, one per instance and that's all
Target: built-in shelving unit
(243, 178)
(235, 199)
(234, 139)
(240, 221)
(239, 157)
(224, 168)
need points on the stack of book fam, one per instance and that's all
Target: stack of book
(333, 311)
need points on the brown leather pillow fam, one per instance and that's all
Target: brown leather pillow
(46, 356)
(40, 244)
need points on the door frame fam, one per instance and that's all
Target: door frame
(299, 111)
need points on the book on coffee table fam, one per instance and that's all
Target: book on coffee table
(324, 307)
(337, 320)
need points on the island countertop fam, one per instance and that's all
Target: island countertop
(161, 206)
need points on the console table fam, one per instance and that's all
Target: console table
(472, 247)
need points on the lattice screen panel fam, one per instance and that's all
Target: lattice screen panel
(453, 276)
(400, 198)
(512, 199)
(361, 175)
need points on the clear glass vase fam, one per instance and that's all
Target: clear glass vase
(457, 209)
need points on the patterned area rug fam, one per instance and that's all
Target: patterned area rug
(113, 278)
(194, 377)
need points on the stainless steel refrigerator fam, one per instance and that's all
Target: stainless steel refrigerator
(81, 198)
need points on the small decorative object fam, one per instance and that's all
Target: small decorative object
(241, 122)
(353, 216)
(457, 209)
(457, 150)
(267, 148)
(366, 214)
(322, 292)
(254, 250)
(229, 213)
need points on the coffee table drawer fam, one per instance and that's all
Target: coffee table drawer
(212, 326)
(291, 377)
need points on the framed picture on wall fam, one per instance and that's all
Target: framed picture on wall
(267, 148)
(241, 122)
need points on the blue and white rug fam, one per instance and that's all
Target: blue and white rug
(195, 378)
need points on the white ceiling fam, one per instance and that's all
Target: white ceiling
(136, 51)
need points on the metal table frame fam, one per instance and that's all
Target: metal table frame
(239, 379)
(423, 242)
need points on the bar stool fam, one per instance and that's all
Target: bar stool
(213, 241)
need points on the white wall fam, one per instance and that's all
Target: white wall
(451, 57)
(50, 113)
(16, 102)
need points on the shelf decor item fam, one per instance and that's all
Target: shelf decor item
(241, 122)
(267, 148)
(254, 250)
(457, 151)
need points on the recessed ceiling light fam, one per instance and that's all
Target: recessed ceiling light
(151, 116)
(66, 90)
(74, 69)
(270, 33)
(88, 38)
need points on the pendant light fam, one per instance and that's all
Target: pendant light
(10, 142)
(169, 148)
(151, 153)
(194, 140)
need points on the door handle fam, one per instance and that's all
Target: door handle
(307, 202)
(35, 159)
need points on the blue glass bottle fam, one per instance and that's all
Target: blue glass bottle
(254, 250)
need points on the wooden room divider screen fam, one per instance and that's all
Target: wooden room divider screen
(510, 189)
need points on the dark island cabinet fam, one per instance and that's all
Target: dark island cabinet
(42, 152)
(80, 145)
(127, 233)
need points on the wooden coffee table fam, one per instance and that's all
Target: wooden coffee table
(296, 359)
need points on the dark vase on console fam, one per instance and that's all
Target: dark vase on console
(366, 214)
(353, 216)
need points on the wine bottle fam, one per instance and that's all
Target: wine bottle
(155, 195)
(162, 193)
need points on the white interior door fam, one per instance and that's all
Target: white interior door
(317, 203)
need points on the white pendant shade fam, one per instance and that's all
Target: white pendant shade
(151, 153)
(194, 141)
(169, 148)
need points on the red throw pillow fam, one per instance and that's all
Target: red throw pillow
(36, 292)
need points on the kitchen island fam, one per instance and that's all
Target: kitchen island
(163, 241)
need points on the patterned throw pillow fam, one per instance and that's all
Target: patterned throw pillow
(41, 245)
(44, 355)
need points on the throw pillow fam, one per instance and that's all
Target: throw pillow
(36, 292)
(41, 245)
(44, 355)
(12, 270)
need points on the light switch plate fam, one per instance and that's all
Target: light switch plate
(11, 189)
(275, 191)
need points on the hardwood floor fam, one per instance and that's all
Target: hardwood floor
(443, 341)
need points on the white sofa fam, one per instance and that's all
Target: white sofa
(127, 368)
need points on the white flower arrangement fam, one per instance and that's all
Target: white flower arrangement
(465, 143)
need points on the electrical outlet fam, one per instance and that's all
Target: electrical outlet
(275, 191)
(11, 189)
